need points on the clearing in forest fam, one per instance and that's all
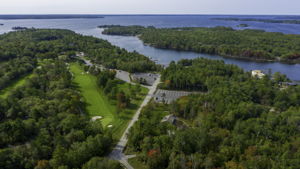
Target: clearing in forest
(17, 83)
(98, 104)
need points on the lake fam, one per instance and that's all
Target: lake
(88, 26)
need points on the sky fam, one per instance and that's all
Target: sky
(279, 7)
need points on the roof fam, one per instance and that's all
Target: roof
(148, 77)
(169, 118)
(168, 96)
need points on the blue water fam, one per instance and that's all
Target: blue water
(89, 27)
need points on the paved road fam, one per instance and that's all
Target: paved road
(120, 74)
(117, 153)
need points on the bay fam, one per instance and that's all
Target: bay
(161, 56)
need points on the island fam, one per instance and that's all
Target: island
(122, 30)
(243, 25)
(1, 24)
(288, 21)
(18, 28)
(249, 44)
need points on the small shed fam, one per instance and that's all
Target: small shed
(172, 119)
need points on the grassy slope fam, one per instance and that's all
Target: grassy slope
(97, 103)
(100, 105)
(17, 83)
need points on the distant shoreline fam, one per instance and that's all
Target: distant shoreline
(145, 34)
(286, 21)
(17, 17)
(95, 16)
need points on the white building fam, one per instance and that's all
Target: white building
(257, 73)
(80, 54)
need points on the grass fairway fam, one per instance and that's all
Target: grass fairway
(17, 83)
(98, 104)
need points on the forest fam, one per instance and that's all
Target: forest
(237, 122)
(225, 41)
(45, 43)
(44, 123)
(199, 74)
(241, 122)
(14, 69)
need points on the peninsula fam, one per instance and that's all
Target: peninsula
(251, 44)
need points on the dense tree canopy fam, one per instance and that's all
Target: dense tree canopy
(224, 41)
(14, 69)
(242, 122)
(46, 43)
(199, 74)
(43, 123)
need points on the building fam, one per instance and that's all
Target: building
(80, 54)
(168, 96)
(144, 78)
(258, 74)
(170, 119)
(173, 120)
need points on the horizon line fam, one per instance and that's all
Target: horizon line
(159, 14)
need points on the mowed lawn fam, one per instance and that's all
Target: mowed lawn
(98, 104)
(17, 83)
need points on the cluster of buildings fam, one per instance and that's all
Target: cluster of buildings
(144, 78)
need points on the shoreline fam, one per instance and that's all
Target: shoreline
(290, 62)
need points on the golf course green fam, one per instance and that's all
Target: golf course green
(98, 104)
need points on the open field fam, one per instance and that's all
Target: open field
(17, 83)
(98, 104)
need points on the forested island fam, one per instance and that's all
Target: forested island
(18, 28)
(45, 123)
(243, 25)
(289, 21)
(1, 24)
(239, 122)
(247, 44)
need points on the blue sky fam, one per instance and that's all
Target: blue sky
(289, 7)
